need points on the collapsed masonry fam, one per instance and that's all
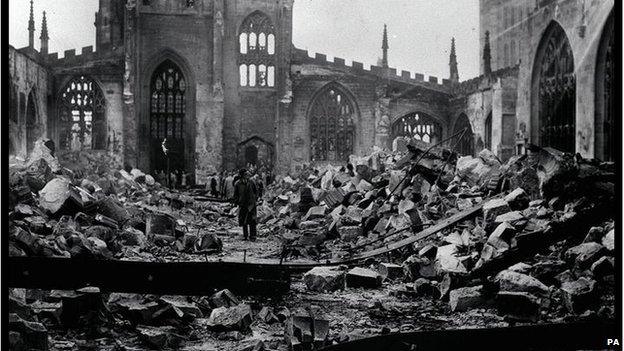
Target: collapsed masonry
(541, 249)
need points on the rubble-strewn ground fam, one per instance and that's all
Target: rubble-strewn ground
(547, 216)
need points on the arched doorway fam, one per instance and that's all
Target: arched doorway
(332, 126)
(604, 128)
(465, 145)
(255, 151)
(251, 155)
(32, 127)
(553, 118)
(419, 126)
(168, 89)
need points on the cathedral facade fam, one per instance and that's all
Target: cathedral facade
(219, 85)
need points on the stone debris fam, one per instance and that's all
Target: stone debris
(325, 279)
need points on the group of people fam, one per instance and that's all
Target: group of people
(178, 179)
(243, 188)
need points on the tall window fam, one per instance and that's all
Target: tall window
(167, 111)
(332, 131)
(82, 122)
(13, 111)
(418, 126)
(488, 132)
(465, 146)
(555, 85)
(32, 127)
(604, 129)
(256, 60)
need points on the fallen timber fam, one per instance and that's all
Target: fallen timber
(557, 336)
(185, 278)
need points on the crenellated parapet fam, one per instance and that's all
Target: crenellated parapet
(300, 56)
(86, 56)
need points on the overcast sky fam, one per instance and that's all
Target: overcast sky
(419, 31)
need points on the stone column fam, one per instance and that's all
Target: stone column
(130, 122)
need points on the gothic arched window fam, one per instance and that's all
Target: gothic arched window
(465, 145)
(554, 92)
(418, 126)
(488, 132)
(256, 59)
(604, 130)
(32, 125)
(82, 116)
(332, 129)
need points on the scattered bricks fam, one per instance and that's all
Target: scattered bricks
(34, 335)
(334, 197)
(584, 254)
(509, 217)
(494, 208)
(59, 197)
(266, 315)
(350, 233)
(464, 299)
(517, 199)
(602, 267)
(518, 282)
(231, 318)
(390, 270)
(315, 212)
(159, 337)
(579, 295)
(325, 279)
(608, 241)
(223, 298)
(160, 224)
(363, 278)
(520, 306)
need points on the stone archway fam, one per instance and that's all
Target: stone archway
(465, 145)
(553, 103)
(32, 121)
(604, 128)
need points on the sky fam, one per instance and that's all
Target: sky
(419, 31)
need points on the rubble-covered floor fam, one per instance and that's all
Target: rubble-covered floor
(559, 202)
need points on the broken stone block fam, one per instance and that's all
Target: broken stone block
(311, 238)
(565, 276)
(602, 267)
(209, 242)
(60, 197)
(353, 215)
(518, 305)
(136, 310)
(464, 299)
(517, 199)
(518, 282)
(34, 335)
(267, 316)
(81, 304)
(334, 197)
(579, 295)
(501, 237)
(608, 241)
(315, 212)
(399, 221)
(363, 278)
(447, 262)
(424, 287)
(306, 330)
(520, 268)
(325, 279)
(390, 270)
(112, 209)
(594, 235)
(495, 207)
(187, 307)
(381, 225)
(160, 224)
(238, 317)
(350, 233)
(429, 251)
(309, 225)
(509, 217)
(223, 298)
(584, 254)
(159, 337)
(132, 237)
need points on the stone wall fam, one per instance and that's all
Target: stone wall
(29, 80)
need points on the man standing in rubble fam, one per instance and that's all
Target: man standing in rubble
(246, 196)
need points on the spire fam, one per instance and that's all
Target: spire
(384, 47)
(453, 63)
(31, 27)
(44, 35)
(487, 56)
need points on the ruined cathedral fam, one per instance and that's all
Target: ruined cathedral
(221, 81)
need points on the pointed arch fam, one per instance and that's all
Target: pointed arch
(82, 115)
(465, 146)
(333, 115)
(32, 120)
(604, 123)
(488, 132)
(553, 93)
(177, 122)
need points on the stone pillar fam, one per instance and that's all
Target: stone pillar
(284, 85)
(130, 122)
(382, 117)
